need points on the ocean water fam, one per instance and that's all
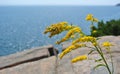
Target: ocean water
(21, 27)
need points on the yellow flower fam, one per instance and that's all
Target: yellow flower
(67, 50)
(94, 31)
(79, 58)
(62, 40)
(95, 20)
(95, 43)
(85, 39)
(68, 27)
(106, 44)
(89, 17)
(70, 34)
(79, 45)
(56, 28)
(70, 48)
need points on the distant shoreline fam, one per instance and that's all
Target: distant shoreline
(118, 4)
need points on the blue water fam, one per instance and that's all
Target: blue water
(21, 27)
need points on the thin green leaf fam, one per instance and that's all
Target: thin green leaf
(91, 48)
(90, 52)
(98, 60)
(99, 66)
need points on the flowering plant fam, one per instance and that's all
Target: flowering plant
(79, 40)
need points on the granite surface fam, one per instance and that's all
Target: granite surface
(54, 65)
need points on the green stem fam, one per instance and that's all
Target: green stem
(92, 23)
(111, 61)
(101, 54)
(110, 58)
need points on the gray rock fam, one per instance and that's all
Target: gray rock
(27, 56)
(53, 65)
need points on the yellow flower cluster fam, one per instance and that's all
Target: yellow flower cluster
(95, 20)
(79, 58)
(85, 39)
(57, 28)
(70, 34)
(106, 44)
(90, 17)
(70, 48)
(94, 31)
(79, 40)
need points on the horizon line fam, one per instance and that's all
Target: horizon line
(57, 5)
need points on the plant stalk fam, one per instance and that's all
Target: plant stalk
(101, 54)
(111, 61)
